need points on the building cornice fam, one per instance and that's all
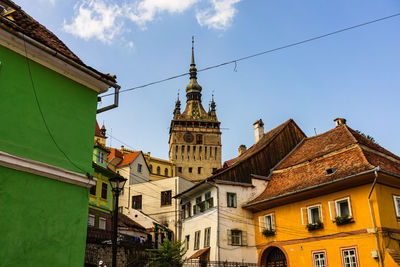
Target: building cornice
(45, 170)
(51, 59)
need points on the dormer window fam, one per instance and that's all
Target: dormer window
(331, 171)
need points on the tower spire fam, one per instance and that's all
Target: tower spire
(193, 89)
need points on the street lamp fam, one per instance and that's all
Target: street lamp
(117, 185)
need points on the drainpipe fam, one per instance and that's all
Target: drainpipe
(373, 218)
(218, 246)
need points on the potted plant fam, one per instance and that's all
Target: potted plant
(339, 220)
(314, 226)
(268, 232)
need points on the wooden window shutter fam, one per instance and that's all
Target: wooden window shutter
(229, 237)
(261, 223)
(244, 238)
(304, 217)
(320, 213)
(272, 221)
(332, 209)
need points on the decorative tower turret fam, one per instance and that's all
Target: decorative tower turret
(195, 136)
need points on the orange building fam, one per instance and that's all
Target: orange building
(333, 201)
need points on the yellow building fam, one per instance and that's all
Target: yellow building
(333, 201)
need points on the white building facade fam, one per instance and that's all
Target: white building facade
(213, 224)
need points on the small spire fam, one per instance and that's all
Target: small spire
(192, 62)
(213, 105)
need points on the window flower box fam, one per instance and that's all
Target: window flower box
(314, 226)
(345, 219)
(268, 232)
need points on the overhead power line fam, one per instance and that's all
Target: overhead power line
(234, 61)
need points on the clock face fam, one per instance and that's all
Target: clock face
(188, 137)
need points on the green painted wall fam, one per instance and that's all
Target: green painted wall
(69, 109)
(43, 221)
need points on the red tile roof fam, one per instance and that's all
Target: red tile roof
(128, 158)
(97, 130)
(114, 153)
(21, 22)
(341, 148)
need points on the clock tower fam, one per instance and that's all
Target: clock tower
(195, 136)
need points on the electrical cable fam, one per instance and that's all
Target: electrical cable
(234, 61)
(44, 120)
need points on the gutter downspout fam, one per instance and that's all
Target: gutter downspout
(373, 218)
(218, 245)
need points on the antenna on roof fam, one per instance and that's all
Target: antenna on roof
(315, 131)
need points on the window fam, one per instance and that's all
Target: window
(231, 200)
(343, 207)
(196, 240)
(91, 220)
(199, 139)
(331, 171)
(199, 170)
(187, 240)
(179, 169)
(100, 157)
(102, 223)
(267, 222)
(209, 201)
(166, 172)
(139, 167)
(349, 257)
(183, 149)
(151, 168)
(158, 170)
(319, 259)
(214, 170)
(314, 214)
(397, 205)
(176, 149)
(237, 238)
(104, 189)
(207, 234)
(215, 154)
(166, 198)
(137, 202)
(190, 169)
(93, 190)
(185, 209)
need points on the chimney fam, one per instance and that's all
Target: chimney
(122, 149)
(242, 148)
(258, 130)
(340, 121)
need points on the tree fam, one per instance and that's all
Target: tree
(168, 255)
(367, 136)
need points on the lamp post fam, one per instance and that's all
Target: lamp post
(117, 184)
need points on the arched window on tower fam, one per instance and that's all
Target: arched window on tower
(199, 139)
(166, 172)
(151, 168)
(158, 170)
(215, 155)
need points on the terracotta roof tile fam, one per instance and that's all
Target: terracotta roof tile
(114, 153)
(97, 130)
(20, 21)
(341, 148)
(125, 221)
(128, 158)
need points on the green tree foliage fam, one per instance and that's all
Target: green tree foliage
(367, 136)
(168, 255)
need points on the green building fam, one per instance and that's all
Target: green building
(48, 103)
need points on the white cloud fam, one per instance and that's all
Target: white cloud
(95, 19)
(220, 16)
(103, 19)
(144, 11)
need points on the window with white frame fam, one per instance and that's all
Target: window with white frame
(267, 222)
(100, 157)
(196, 240)
(187, 240)
(102, 223)
(349, 257)
(231, 200)
(314, 214)
(91, 220)
(207, 234)
(342, 207)
(397, 205)
(319, 259)
(237, 237)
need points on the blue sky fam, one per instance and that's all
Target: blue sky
(354, 74)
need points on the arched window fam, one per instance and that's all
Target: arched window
(158, 170)
(166, 172)
(151, 168)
